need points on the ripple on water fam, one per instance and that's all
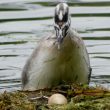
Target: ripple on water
(23, 22)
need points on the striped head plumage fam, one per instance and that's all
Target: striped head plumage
(62, 21)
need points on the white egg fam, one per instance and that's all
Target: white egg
(57, 99)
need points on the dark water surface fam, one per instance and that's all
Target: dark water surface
(24, 22)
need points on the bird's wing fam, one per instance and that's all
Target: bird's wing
(75, 36)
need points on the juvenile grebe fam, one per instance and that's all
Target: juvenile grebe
(61, 57)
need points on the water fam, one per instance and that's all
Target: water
(24, 22)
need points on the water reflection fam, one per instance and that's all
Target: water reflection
(24, 22)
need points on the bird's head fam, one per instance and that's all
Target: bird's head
(62, 22)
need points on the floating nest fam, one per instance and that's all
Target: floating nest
(80, 97)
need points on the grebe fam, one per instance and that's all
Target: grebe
(61, 57)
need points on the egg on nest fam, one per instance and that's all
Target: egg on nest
(57, 99)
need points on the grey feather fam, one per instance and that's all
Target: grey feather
(49, 66)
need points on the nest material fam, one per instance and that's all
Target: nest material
(80, 97)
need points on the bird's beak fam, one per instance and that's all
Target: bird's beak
(60, 35)
(60, 38)
(60, 32)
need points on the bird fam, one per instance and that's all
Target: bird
(59, 58)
